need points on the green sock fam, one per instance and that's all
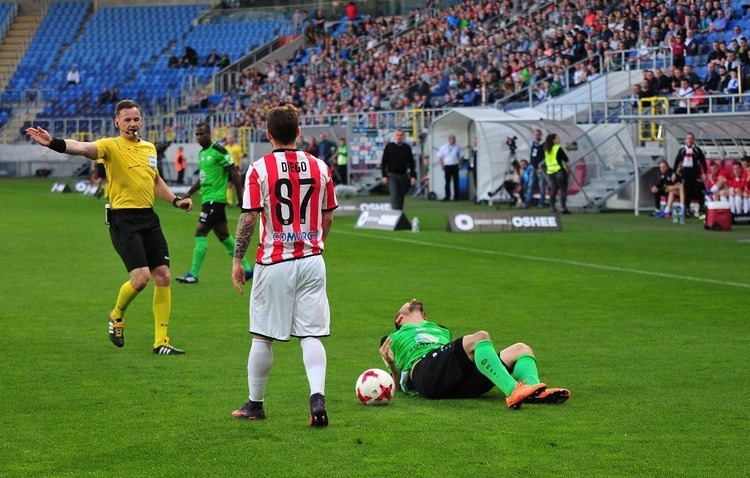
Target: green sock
(489, 364)
(229, 244)
(199, 253)
(525, 370)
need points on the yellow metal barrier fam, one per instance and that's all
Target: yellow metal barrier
(417, 119)
(656, 106)
(83, 136)
(220, 133)
(245, 133)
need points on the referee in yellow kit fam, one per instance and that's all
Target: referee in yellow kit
(130, 163)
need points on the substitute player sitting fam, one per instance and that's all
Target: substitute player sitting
(216, 169)
(659, 189)
(738, 194)
(716, 186)
(674, 192)
(425, 359)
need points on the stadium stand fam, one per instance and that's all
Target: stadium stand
(58, 28)
(363, 77)
(469, 54)
(237, 35)
(126, 67)
(5, 112)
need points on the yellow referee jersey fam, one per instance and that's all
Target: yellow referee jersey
(236, 151)
(131, 172)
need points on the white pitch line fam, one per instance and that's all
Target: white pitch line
(547, 259)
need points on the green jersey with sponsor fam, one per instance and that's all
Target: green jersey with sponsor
(412, 341)
(213, 173)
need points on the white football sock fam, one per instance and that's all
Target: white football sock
(258, 365)
(746, 208)
(314, 357)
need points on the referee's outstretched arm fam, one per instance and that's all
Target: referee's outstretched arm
(67, 146)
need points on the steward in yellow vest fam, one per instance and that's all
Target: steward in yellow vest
(342, 160)
(556, 162)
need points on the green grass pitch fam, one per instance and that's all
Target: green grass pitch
(645, 321)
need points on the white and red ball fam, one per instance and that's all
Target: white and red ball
(375, 387)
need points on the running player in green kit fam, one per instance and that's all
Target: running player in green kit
(216, 169)
(425, 359)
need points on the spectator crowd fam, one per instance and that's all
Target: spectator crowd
(487, 52)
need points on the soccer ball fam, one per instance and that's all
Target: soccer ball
(375, 387)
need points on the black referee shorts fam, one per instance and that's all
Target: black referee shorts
(447, 372)
(213, 213)
(137, 237)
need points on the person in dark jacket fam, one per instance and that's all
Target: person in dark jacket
(693, 163)
(399, 169)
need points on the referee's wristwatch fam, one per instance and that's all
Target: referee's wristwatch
(174, 201)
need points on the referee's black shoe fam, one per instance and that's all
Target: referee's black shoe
(116, 331)
(167, 349)
(318, 412)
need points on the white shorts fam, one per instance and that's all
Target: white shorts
(289, 299)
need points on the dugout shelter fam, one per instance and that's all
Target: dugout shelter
(493, 128)
(723, 137)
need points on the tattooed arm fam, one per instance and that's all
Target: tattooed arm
(243, 236)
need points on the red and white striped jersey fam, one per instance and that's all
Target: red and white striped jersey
(291, 189)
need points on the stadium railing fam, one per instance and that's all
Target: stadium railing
(610, 111)
(525, 97)
(223, 80)
(621, 60)
(331, 10)
(8, 19)
(28, 98)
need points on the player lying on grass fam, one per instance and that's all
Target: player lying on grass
(425, 359)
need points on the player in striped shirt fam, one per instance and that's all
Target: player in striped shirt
(290, 193)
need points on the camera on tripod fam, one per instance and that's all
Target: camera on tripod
(511, 142)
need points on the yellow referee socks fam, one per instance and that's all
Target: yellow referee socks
(124, 298)
(162, 310)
